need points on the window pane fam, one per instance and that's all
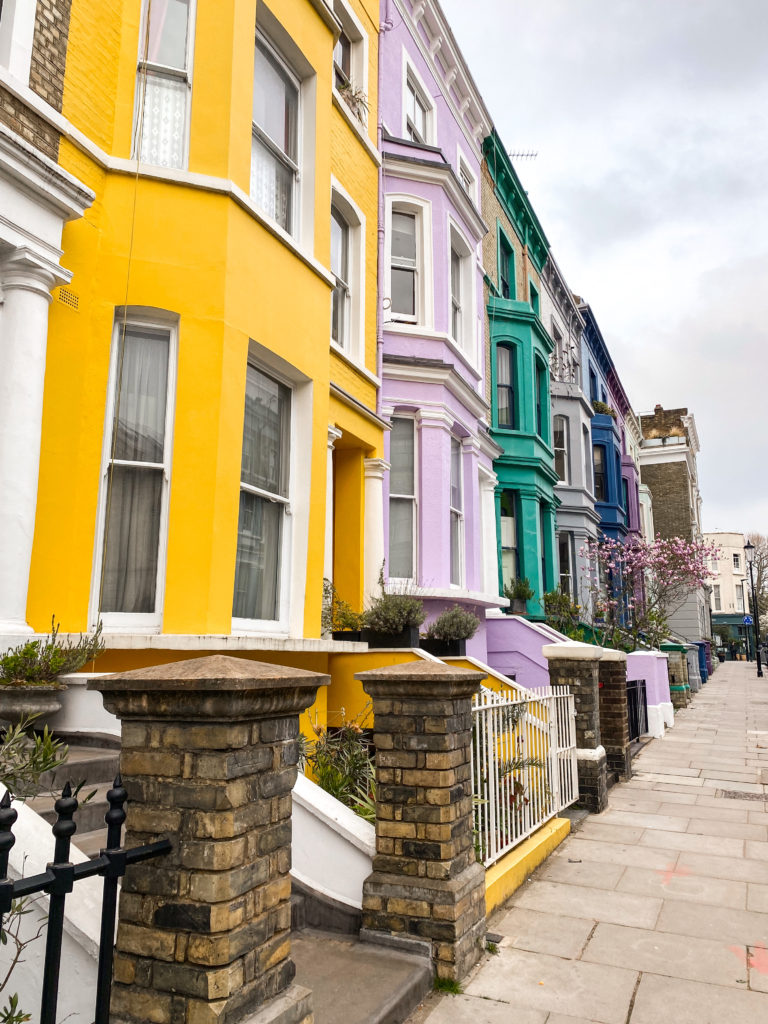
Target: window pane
(271, 185)
(401, 538)
(164, 121)
(342, 57)
(401, 457)
(275, 102)
(503, 365)
(258, 558)
(339, 315)
(403, 291)
(564, 554)
(456, 275)
(265, 433)
(455, 548)
(167, 31)
(132, 539)
(339, 245)
(404, 236)
(140, 405)
(456, 498)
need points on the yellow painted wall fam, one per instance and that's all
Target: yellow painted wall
(197, 253)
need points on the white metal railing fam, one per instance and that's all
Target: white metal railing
(523, 764)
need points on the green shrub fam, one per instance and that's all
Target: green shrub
(455, 623)
(518, 590)
(337, 614)
(341, 763)
(393, 612)
(41, 662)
(603, 409)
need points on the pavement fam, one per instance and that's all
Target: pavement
(656, 910)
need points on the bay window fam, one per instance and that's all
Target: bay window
(264, 482)
(402, 498)
(164, 81)
(456, 513)
(506, 386)
(509, 543)
(136, 470)
(274, 152)
(404, 267)
(562, 448)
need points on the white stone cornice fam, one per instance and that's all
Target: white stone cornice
(333, 435)
(24, 270)
(375, 468)
(442, 174)
(50, 184)
(435, 418)
(444, 375)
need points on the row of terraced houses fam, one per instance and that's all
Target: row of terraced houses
(276, 309)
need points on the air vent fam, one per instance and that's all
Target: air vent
(69, 298)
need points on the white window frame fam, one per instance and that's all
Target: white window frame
(566, 448)
(136, 622)
(457, 243)
(422, 209)
(294, 229)
(162, 71)
(281, 623)
(456, 513)
(736, 559)
(358, 57)
(464, 170)
(567, 535)
(740, 600)
(17, 32)
(413, 80)
(413, 498)
(356, 226)
(716, 597)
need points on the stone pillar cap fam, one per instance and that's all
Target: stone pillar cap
(572, 650)
(609, 654)
(214, 687)
(422, 676)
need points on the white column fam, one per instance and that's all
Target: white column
(26, 297)
(373, 532)
(333, 436)
(488, 529)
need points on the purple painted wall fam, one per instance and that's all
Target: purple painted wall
(652, 667)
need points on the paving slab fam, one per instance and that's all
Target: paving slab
(757, 897)
(699, 826)
(705, 960)
(743, 870)
(756, 850)
(665, 822)
(534, 980)
(700, 920)
(597, 904)
(544, 933)
(593, 828)
(718, 813)
(675, 882)
(719, 845)
(466, 1009)
(581, 872)
(660, 999)
(617, 853)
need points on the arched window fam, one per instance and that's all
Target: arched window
(506, 386)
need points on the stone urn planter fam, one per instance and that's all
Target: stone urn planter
(19, 702)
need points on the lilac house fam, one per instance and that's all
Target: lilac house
(439, 490)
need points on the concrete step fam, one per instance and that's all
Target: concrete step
(88, 764)
(91, 843)
(88, 817)
(357, 982)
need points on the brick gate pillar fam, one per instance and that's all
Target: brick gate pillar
(576, 665)
(209, 758)
(426, 885)
(614, 720)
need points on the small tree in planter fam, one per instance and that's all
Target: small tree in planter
(29, 673)
(563, 614)
(338, 618)
(518, 592)
(393, 619)
(447, 636)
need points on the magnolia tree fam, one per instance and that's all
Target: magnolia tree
(635, 586)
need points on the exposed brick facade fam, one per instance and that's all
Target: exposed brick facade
(670, 490)
(614, 723)
(664, 423)
(46, 77)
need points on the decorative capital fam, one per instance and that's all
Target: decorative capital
(374, 469)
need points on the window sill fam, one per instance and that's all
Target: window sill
(429, 334)
(356, 366)
(236, 641)
(357, 127)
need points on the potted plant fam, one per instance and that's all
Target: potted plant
(447, 636)
(393, 619)
(29, 673)
(338, 618)
(519, 592)
(603, 409)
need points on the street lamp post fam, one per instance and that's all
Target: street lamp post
(749, 551)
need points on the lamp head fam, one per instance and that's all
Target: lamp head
(749, 551)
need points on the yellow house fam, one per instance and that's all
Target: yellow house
(211, 447)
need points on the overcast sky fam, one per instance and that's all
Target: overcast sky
(650, 119)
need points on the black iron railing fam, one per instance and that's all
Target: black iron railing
(58, 880)
(637, 709)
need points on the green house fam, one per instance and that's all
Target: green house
(515, 250)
